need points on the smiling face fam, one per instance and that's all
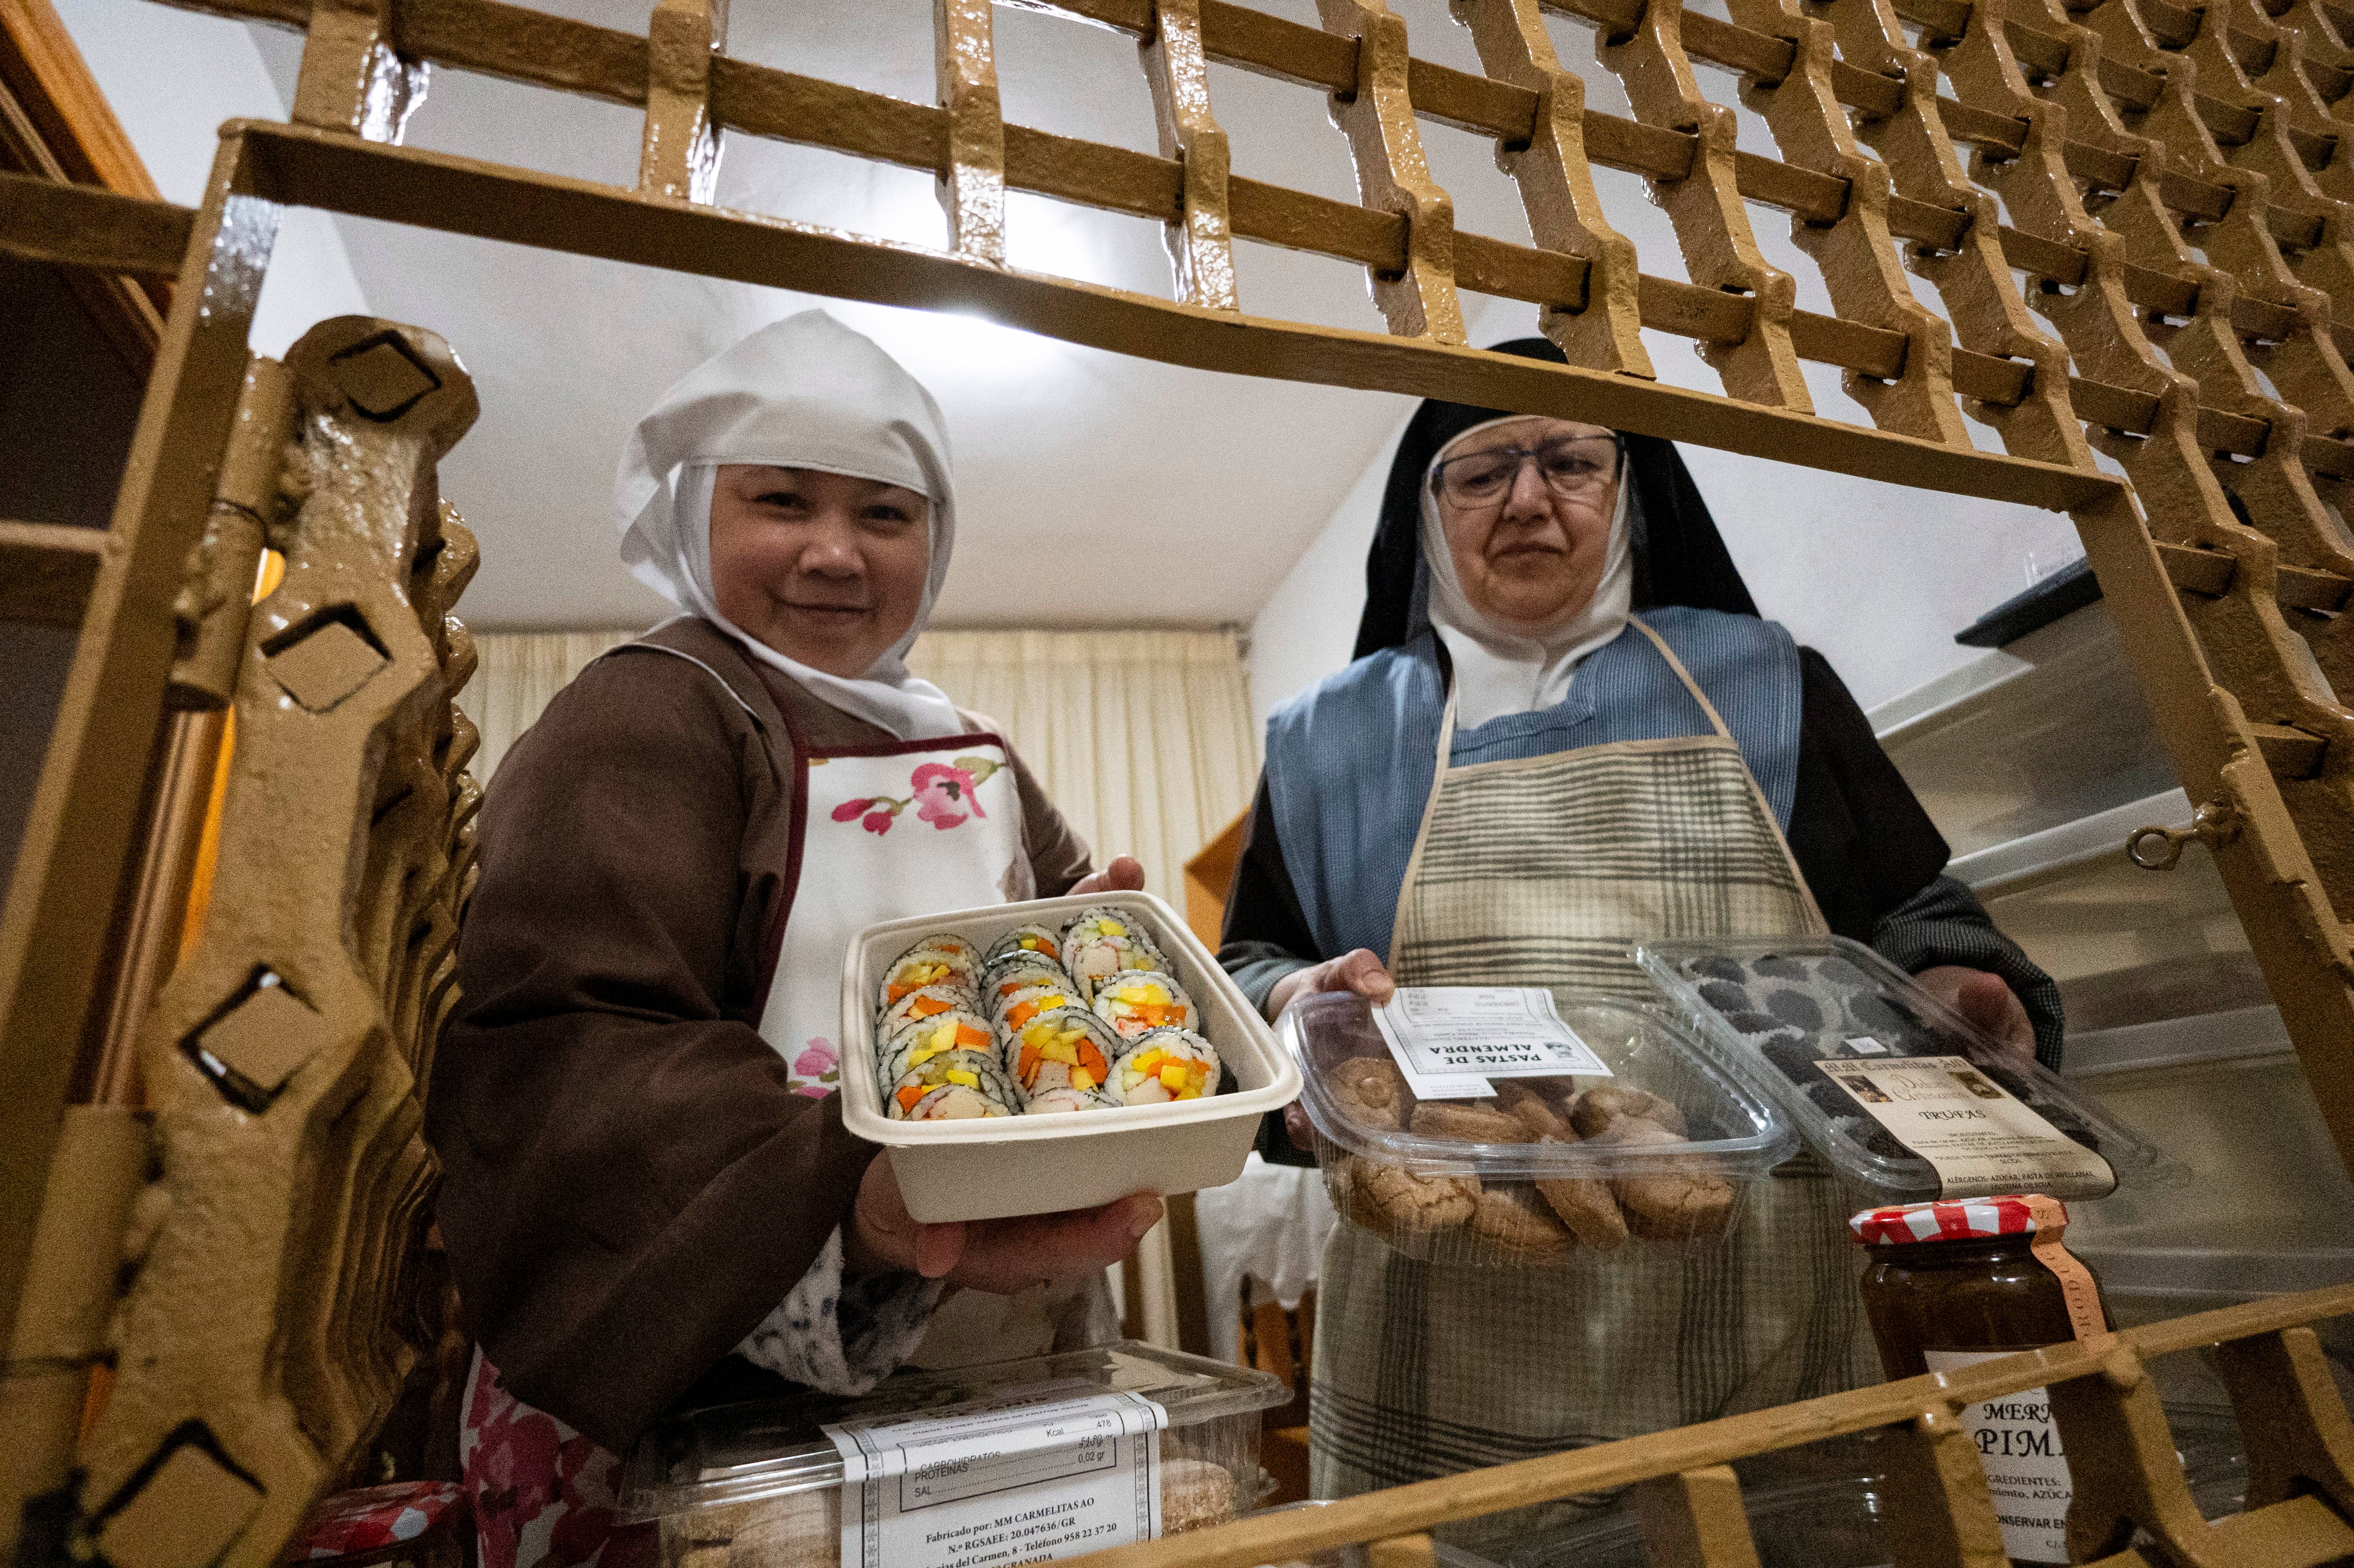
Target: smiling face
(827, 570)
(1530, 556)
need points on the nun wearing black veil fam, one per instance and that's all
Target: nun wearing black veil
(1567, 730)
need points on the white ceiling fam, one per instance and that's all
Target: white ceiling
(1093, 489)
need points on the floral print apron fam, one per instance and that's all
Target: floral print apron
(1547, 870)
(883, 832)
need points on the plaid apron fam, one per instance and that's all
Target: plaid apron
(1546, 871)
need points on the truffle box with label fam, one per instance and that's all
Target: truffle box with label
(1791, 1006)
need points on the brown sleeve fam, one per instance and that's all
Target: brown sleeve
(629, 1187)
(1058, 856)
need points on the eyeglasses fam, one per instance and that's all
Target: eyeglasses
(1575, 468)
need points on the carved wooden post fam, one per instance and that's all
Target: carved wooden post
(1705, 206)
(972, 186)
(1974, 279)
(1200, 240)
(1392, 174)
(1856, 256)
(1557, 188)
(263, 1333)
(679, 154)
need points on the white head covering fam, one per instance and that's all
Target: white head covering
(1499, 670)
(804, 392)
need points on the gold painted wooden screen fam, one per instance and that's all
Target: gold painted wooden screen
(2114, 236)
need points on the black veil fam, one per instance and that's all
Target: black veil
(1678, 556)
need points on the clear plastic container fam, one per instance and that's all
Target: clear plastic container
(995, 1167)
(1776, 1007)
(759, 1485)
(1663, 1153)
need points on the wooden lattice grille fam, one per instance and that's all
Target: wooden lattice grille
(2130, 221)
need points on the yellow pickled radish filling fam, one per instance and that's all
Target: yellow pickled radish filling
(915, 974)
(1183, 1076)
(1037, 944)
(1068, 1045)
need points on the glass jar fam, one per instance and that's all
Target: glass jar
(1953, 1284)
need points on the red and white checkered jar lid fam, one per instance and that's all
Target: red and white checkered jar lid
(1962, 1220)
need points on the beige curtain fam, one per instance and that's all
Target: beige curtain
(1143, 739)
(516, 673)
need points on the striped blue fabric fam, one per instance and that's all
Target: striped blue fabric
(1350, 761)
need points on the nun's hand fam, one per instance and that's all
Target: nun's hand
(1987, 1000)
(1000, 1256)
(1124, 875)
(1359, 972)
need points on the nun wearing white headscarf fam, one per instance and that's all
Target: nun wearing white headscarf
(648, 1195)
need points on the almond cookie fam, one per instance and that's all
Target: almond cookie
(1534, 1111)
(1389, 1200)
(1371, 1090)
(1585, 1205)
(1516, 1221)
(1684, 1199)
(1468, 1124)
(1600, 1105)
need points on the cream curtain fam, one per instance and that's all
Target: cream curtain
(1143, 739)
(515, 675)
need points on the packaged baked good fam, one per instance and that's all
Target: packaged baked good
(761, 1485)
(1660, 1148)
(1826, 1027)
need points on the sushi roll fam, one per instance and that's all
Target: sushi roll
(1014, 1013)
(1164, 1064)
(917, 1005)
(1011, 975)
(1033, 940)
(1101, 943)
(1054, 1100)
(1069, 1048)
(934, 960)
(951, 1087)
(1134, 1000)
(919, 1042)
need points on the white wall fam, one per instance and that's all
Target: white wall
(172, 78)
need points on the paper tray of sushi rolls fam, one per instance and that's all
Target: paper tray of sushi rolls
(1028, 1058)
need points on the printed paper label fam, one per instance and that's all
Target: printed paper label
(1451, 1041)
(1060, 1470)
(1977, 1136)
(2019, 1444)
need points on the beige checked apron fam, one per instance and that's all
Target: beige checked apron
(1546, 871)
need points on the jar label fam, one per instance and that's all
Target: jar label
(1978, 1137)
(2019, 1444)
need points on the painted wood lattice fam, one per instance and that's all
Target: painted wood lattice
(2114, 235)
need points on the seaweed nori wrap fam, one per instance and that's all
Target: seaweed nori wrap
(1134, 1000)
(1101, 943)
(1164, 1064)
(1033, 940)
(936, 961)
(918, 1005)
(953, 1086)
(1067, 1047)
(1014, 1013)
